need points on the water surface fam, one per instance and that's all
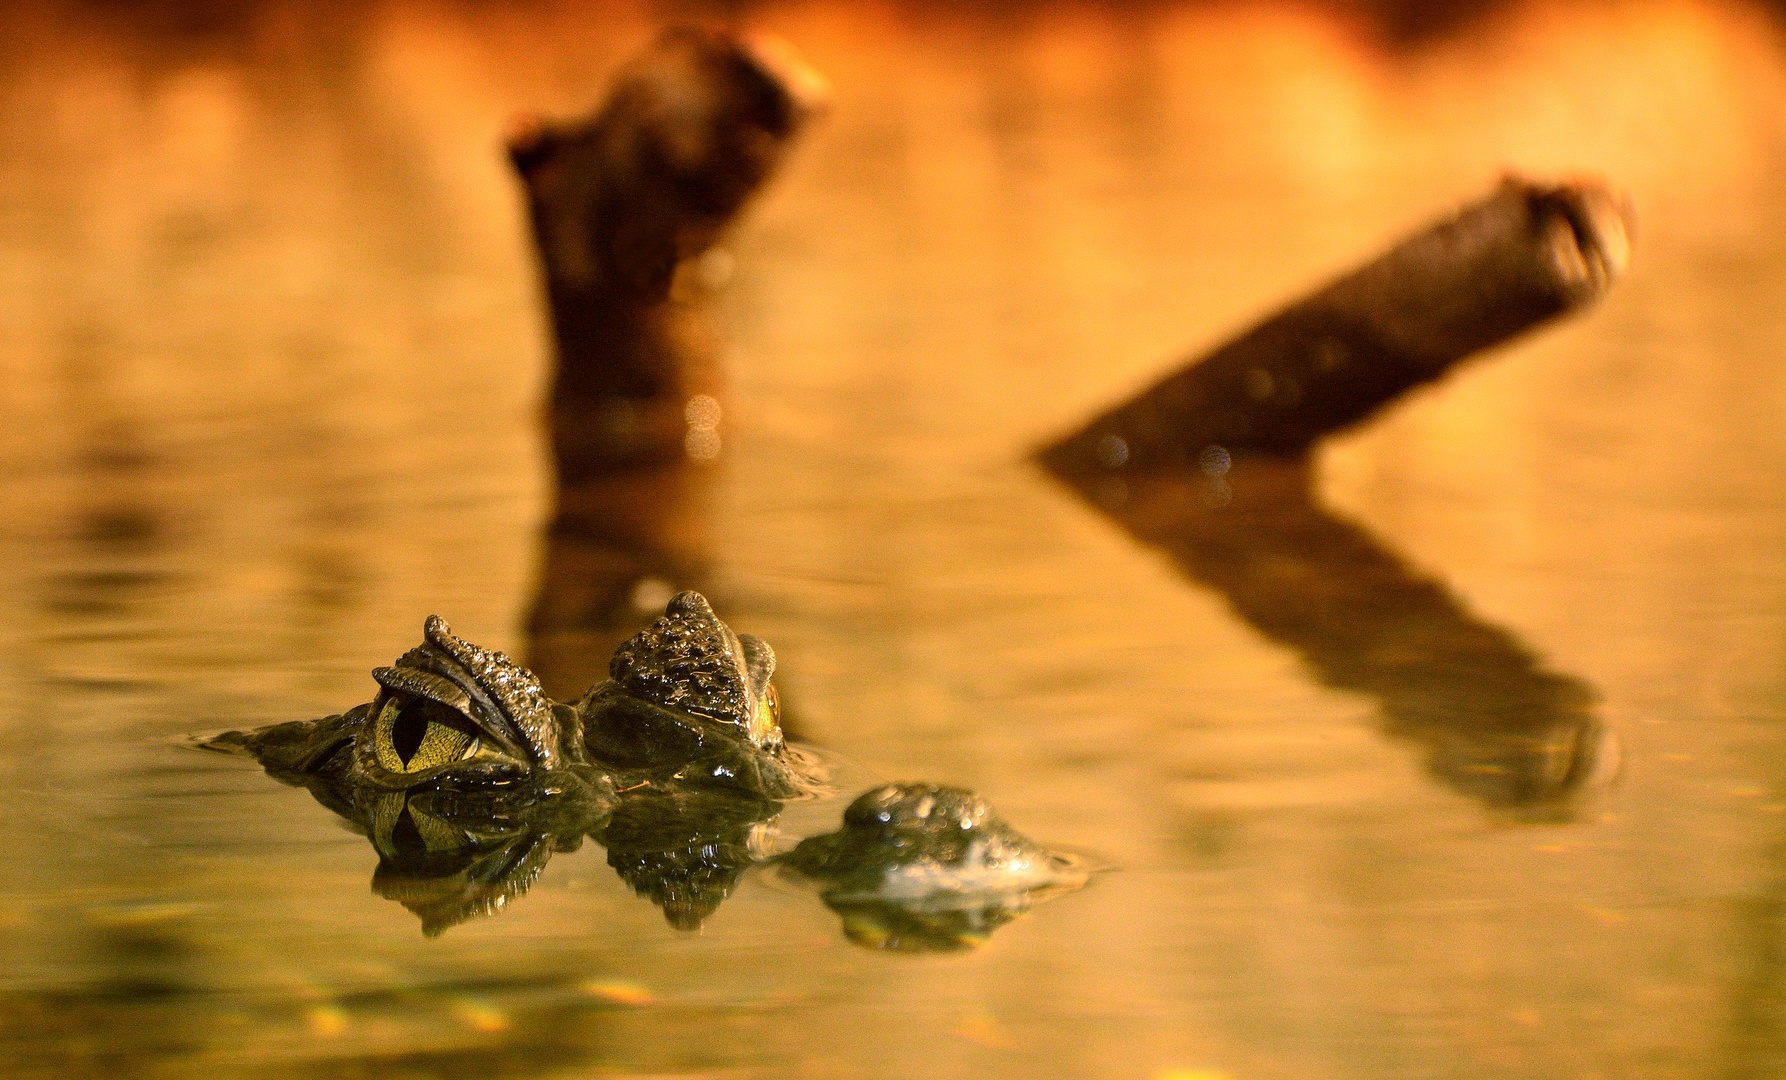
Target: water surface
(273, 348)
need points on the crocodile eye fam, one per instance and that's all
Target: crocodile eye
(768, 718)
(413, 734)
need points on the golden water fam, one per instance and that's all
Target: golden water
(272, 347)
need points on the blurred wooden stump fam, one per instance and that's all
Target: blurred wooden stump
(627, 207)
(1210, 466)
(620, 201)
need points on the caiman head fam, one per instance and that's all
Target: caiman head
(689, 700)
(465, 777)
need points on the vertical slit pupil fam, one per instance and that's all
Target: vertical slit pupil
(406, 839)
(409, 727)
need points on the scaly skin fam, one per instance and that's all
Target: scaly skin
(466, 777)
(690, 701)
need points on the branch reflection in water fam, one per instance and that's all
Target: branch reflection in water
(1495, 725)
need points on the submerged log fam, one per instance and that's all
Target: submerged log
(1527, 253)
(691, 129)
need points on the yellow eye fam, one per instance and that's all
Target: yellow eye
(413, 734)
(768, 718)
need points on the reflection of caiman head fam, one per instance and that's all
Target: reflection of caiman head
(685, 850)
(923, 868)
(449, 857)
(919, 928)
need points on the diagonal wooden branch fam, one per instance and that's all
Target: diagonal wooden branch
(1524, 254)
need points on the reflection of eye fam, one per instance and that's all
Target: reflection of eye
(415, 734)
(400, 830)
